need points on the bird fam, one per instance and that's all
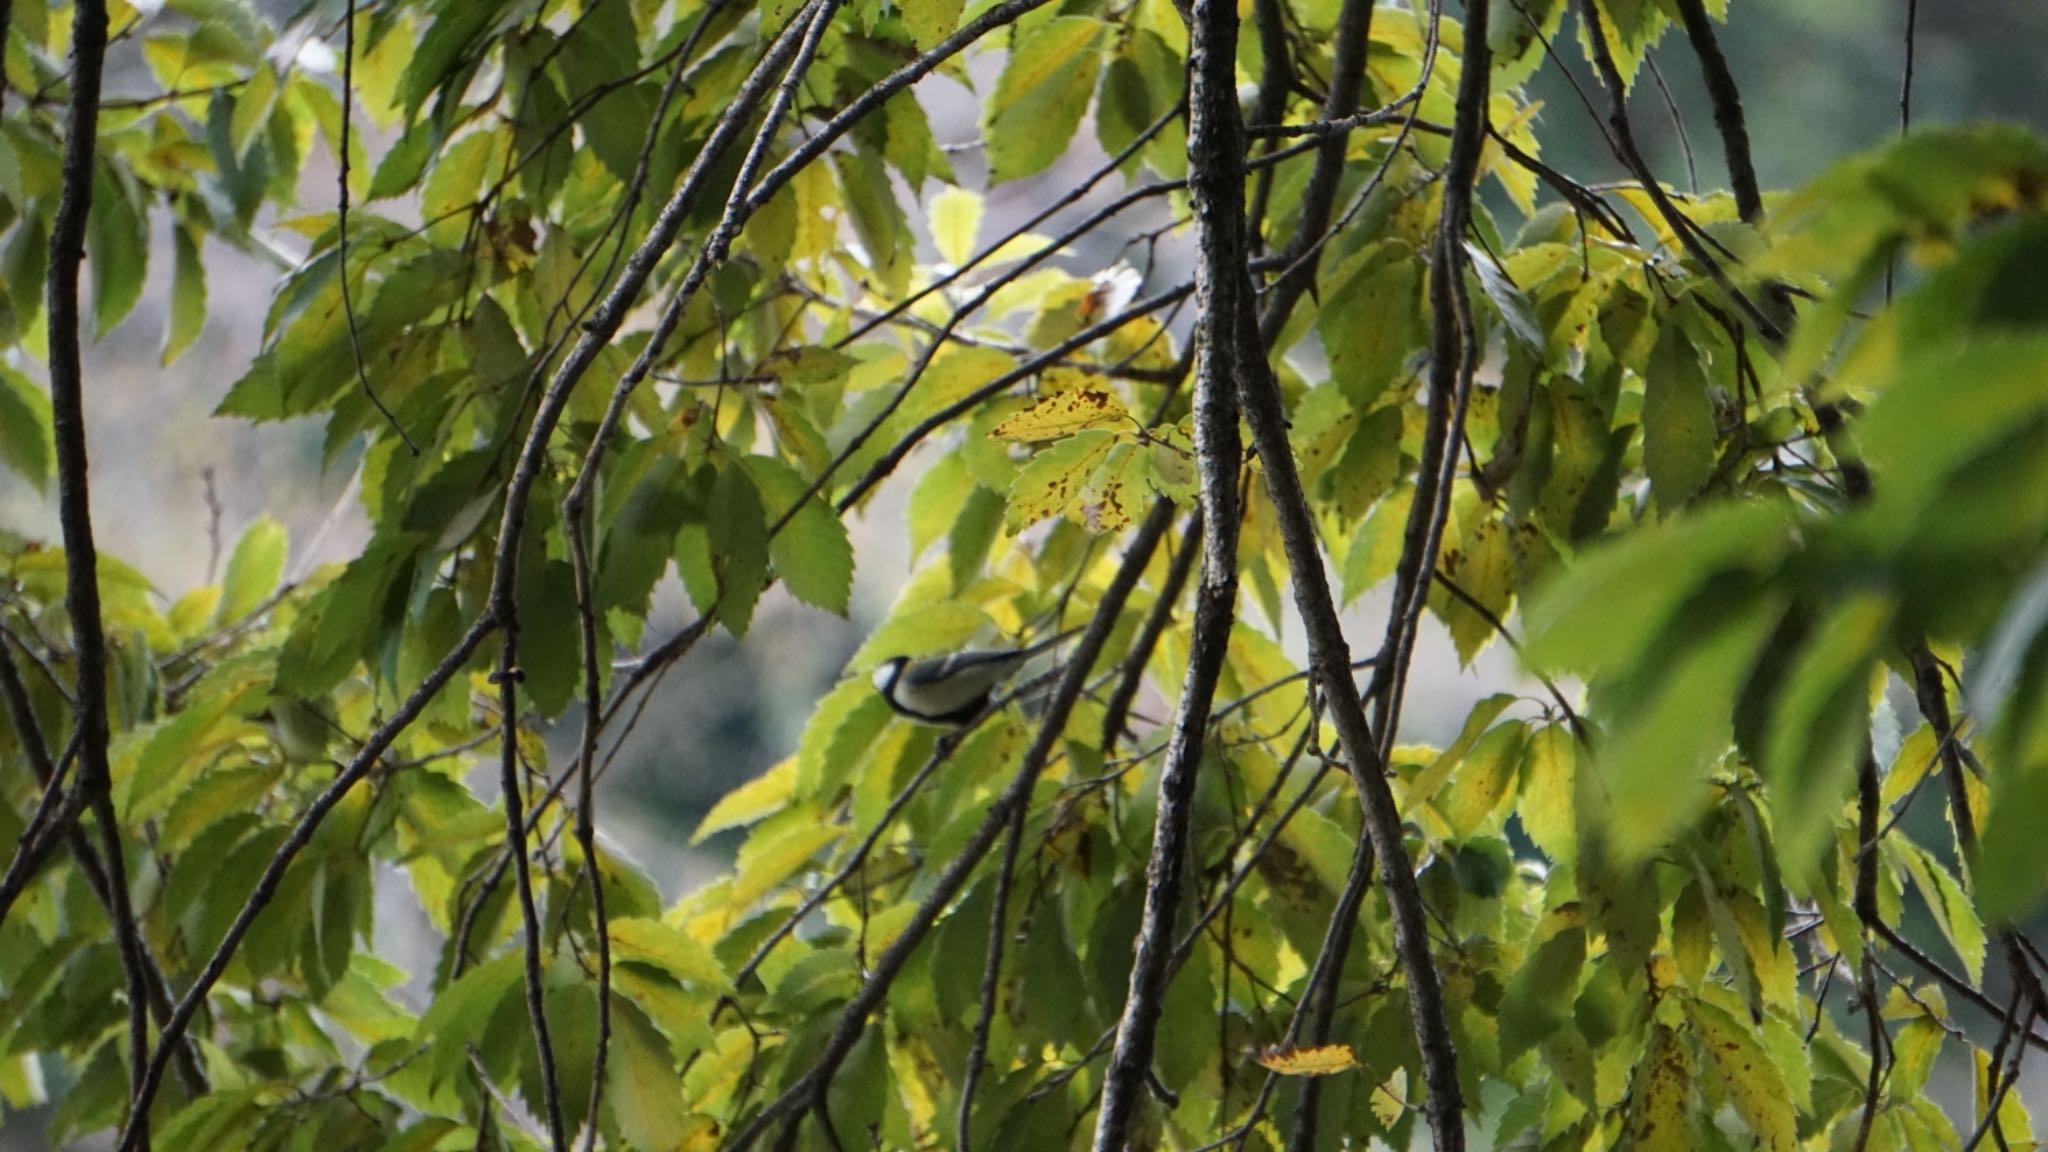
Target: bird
(951, 690)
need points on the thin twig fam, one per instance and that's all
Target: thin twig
(348, 306)
(1131, 675)
(1216, 184)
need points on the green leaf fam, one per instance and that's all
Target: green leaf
(1953, 911)
(551, 649)
(27, 442)
(642, 1087)
(930, 21)
(737, 531)
(1376, 546)
(1041, 96)
(1510, 301)
(1482, 565)
(253, 570)
(252, 109)
(401, 166)
(812, 553)
(456, 29)
(188, 294)
(973, 533)
(1539, 997)
(463, 1010)
(878, 219)
(1369, 322)
(1142, 82)
(117, 247)
(1431, 780)
(1615, 601)
(936, 502)
(1668, 737)
(842, 727)
(1678, 420)
(1483, 780)
(653, 942)
(1821, 722)
(1368, 467)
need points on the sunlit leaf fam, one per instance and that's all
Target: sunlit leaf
(1064, 413)
(1317, 1060)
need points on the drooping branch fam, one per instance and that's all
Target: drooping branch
(1216, 185)
(796, 51)
(1319, 198)
(1329, 651)
(1631, 156)
(1454, 356)
(1330, 658)
(1930, 693)
(57, 815)
(1144, 542)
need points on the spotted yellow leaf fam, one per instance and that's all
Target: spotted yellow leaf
(1063, 414)
(1317, 1060)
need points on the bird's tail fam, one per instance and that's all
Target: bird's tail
(1051, 641)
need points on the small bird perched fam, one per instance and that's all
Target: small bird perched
(951, 690)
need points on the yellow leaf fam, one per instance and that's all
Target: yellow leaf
(1659, 1120)
(750, 801)
(1390, 1100)
(1754, 1085)
(955, 219)
(1113, 497)
(960, 372)
(1055, 478)
(765, 863)
(1063, 414)
(1319, 1060)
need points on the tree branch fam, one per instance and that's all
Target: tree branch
(1144, 542)
(1727, 101)
(1216, 184)
(74, 513)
